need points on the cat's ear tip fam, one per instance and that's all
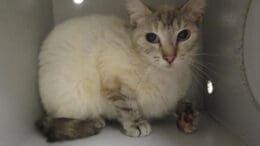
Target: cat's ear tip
(194, 6)
(132, 1)
(137, 10)
(195, 9)
(200, 2)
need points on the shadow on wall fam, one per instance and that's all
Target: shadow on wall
(23, 26)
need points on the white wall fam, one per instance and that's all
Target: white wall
(23, 25)
(64, 9)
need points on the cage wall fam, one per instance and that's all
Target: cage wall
(231, 30)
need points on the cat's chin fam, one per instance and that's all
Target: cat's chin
(165, 67)
(168, 67)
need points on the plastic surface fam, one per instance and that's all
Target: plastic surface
(230, 26)
(164, 133)
(225, 44)
(23, 25)
(252, 51)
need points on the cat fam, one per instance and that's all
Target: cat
(98, 67)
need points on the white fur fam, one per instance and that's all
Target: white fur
(83, 56)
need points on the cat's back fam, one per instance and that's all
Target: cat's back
(84, 40)
(68, 63)
(87, 30)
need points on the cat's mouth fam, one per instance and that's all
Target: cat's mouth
(169, 66)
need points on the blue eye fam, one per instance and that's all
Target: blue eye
(152, 38)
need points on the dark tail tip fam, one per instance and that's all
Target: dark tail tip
(42, 125)
(61, 129)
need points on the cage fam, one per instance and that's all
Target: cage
(231, 113)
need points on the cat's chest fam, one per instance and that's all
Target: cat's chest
(165, 85)
(159, 92)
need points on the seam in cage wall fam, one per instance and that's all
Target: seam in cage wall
(228, 129)
(212, 115)
(244, 81)
(243, 68)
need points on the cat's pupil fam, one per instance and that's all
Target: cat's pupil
(152, 38)
(184, 35)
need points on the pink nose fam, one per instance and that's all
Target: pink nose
(169, 59)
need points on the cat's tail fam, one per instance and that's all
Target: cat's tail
(61, 129)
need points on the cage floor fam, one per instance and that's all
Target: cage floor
(164, 133)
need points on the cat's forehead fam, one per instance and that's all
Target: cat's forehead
(168, 16)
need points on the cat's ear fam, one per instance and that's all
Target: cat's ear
(138, 11)
(195, 10)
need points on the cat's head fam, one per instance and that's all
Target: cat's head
(168, 36)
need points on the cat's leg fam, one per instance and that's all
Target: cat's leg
(129, 115)
(61, 129)
(187, 117)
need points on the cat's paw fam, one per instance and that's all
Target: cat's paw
(100, 123)
(187, 117)
(188, 122)
(139, 128)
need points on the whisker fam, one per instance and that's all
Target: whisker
(204, 67)
(205, 54)
(148, 51)
(197, 81)
(199, 75)
(200, 71)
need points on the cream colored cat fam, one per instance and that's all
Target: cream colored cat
(99, 67)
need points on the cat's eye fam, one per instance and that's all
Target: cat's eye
(183, 35)
(152, 38)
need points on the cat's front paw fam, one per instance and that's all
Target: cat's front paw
(188, 117)
(188, 123)
(138, 128)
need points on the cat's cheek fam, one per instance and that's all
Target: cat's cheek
(178, 62)
(184, 47)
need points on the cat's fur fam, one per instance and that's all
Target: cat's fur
(96, 67)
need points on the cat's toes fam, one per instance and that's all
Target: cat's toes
(187, 117)
(188, 122)
(100, 123)
(139, 128)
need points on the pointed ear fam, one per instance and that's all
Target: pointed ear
(138, 11)
(194, 10)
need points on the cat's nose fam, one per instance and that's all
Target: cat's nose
(169, 59)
